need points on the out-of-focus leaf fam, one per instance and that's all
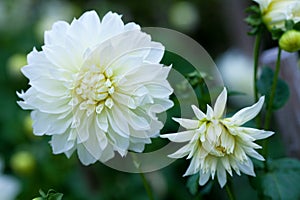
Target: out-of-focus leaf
(192, 183)
(280, 180)
(264, 86)
(51, 195)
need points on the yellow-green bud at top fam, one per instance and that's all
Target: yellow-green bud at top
(38, 198)
(23, 163)
(290, 41)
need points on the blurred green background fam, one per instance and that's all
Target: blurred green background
(217, 25)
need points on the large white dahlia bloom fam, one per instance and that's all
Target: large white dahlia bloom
(97, 87)
(217, 144)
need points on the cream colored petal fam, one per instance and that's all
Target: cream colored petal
(226, 164)
(221, 173)
(194, 167)
(199, 114)
(183, 151)
(204, 177)
(84, 156)
(184, 136)
(247, 167)
(187, 123)
(252, 153)
(220, 104)
(248, 113)
(256, 133)
(209, 113)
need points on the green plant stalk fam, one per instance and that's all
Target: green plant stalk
(144, 180)
(256, 57)
(146, 186)
(229, 192)
(271, 100)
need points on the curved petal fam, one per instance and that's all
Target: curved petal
(221, 173)
(199, 114)
(187, 123)
(184, 136)
(247, 113)
(220, 104)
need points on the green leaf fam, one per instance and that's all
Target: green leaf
(51, 195)
(254, 19)
(264, 85)
(289, 24)
(280, 181)
(276, 33)
(297, 26)
(192, 183)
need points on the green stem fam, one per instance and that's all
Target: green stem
(229, 192)
(256, 57)
(271, 100)
(147, 186)
(273, 90)
(144, 180)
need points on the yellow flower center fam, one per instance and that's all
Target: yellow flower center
(93, 89)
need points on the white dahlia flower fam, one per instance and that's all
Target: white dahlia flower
(96, 87)
(276, 12)
(217, 144)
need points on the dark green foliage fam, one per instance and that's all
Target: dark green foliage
(279, 181)
(264, 86)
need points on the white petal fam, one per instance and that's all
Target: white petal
(84, 156)
(111, 25)
(209, 113)
(48, 124)
(183, 151)
(187, 123)
(102, 121)
(251, 152)
(184, 136)
(247, 113)
(156, 52)
(221, 173)
(247, 167)
(56, 36)
(107, 154)
(256, 133)
(226, 164)
(91, 22)
(121, 117)
(204, 177)
(212, 134)
(60, 143)
(199, 114)
(220, 104)
(194, 166)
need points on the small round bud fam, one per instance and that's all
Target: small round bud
(22, 163)
(290, 41)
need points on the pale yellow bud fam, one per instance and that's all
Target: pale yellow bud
(23, 163)
(290, 41)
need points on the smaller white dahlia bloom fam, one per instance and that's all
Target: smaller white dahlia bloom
(217, 144)
(96, 87)
(276, 12)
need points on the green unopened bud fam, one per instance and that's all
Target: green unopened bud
(290, 41)
(23, 163)
(38, 198)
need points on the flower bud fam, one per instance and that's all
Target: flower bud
(290, 41)
(23, 163)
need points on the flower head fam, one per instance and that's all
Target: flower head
(216, 145)
(96, 87)
(276, 12)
